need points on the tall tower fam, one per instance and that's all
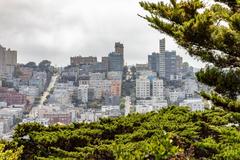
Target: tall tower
(162, 45)
(116, 59)
(162, 50)
(8, 61)
(119, 48)
(179, 61)
(170, 64)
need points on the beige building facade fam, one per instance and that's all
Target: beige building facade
(8, 61)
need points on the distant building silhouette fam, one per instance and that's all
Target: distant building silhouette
(166, 63)
(119, 48)
(116, 59)
(79, 60)
(170, 64)
(8, 61)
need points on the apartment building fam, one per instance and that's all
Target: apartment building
(157, 89)
(142, 88)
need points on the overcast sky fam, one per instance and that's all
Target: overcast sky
(58, 29)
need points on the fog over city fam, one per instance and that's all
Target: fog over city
(56, 30)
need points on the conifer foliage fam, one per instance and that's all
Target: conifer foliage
(209, 31)
(171, 133)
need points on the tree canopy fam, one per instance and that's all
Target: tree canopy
(210, 33)
(31, 65)
(171, 133)
(44, 65)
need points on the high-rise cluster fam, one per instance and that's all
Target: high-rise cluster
(166, 63)
(113, 62)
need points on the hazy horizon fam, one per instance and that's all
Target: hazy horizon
(57, 30)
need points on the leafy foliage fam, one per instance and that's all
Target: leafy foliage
(171, 133)
(31, 65)
(10, 154)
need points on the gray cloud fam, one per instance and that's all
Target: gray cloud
(58, 29)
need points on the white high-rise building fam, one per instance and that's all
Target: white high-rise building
(142, 87)
(157, 89)
(162, 45)
(83, 93)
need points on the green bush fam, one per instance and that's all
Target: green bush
(170, 133)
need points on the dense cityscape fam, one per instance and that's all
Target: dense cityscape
(120, 80)
(87, 90)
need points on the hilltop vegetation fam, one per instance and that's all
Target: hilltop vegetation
(171, 133)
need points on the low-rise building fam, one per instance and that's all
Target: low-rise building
(100, 87)
(114, 75)
(190, 87)
(195, 104)
(97, 76)
(11, 97)
(111, 100)
(153, 101)
(3, 104)
(61, 96)
(176, 77)
(176, 96)
(111, 111)
(90, 116)
(143, 108)
(56, 114)
(146, 73)
(31, 92)
(42, 121)
(58, 117)
(8, 118)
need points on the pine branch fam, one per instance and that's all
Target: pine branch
(224, 102)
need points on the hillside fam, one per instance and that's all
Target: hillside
(172, 133)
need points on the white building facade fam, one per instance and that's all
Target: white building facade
(83, 93)
(157, 89)
(142, 88)
(194, 104)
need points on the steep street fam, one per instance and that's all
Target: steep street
(34, 111)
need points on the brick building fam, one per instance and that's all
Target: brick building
(54, 118)
(79, 60)
(12, 97)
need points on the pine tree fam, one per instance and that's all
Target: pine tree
(209, 32)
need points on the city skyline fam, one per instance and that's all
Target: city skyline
(45, 30)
